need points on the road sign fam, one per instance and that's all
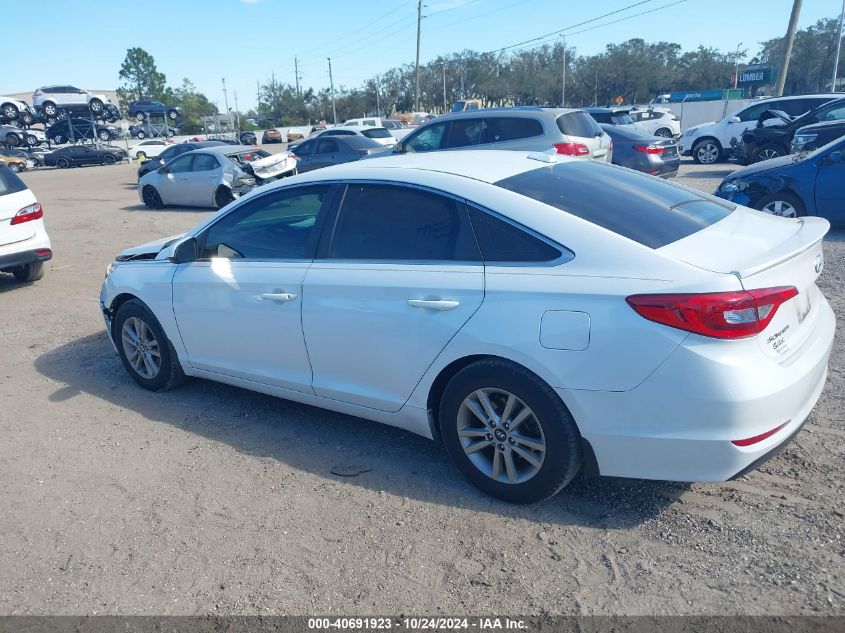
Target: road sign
(619, 100)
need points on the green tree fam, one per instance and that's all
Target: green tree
(141, 78)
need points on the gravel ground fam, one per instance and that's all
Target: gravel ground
(211, 499)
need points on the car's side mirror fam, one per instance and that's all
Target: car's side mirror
(734, 119)
(399, 148)
(186, 251)
(836, 157)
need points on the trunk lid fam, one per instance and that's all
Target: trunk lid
(765, 251)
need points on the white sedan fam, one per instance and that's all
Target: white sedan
(148, 149)
(538, 315)
(24, 244)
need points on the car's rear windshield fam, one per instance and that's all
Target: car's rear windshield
(647, 210)
(9, 182)
(578, 124)
(377, 133)
(361, 142)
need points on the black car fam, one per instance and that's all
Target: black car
(151, 130)
(610, 116)
(324, 151)
(78, 155)
(78, 130)
(649, 154)
(172, 152)
(811, 137)
(770, 141)
(146, 108)
(247, 138)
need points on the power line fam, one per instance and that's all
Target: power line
(352, 45)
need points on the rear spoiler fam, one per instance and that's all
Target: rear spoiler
(811, 231)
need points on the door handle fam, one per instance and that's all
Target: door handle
(281, 297)
(434, 304)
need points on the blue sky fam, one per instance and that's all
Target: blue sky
(247, 40)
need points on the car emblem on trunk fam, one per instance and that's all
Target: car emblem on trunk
(819, 263)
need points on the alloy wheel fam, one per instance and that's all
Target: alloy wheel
(501, 436)
(707, 153)
(766, 154)
(663, 133)
(781, 208)
(141, 348)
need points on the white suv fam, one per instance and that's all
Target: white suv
(24, 245)
(12, 109)
(50, 99)
(656, 121)
(711, 142)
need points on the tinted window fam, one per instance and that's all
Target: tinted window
(377, 133)
(205, 162)
(833, 113)
(468, 132)
(501, 241)
(621, 119)
(304, 149)
(384, 222)
(339, 133)
(326, 146)
(649, 211)
(181, 165)
(578, 124)
(753, 113)
(280, 225)
(9, 182)
(428, 139)
(511, 129)
(602, 117)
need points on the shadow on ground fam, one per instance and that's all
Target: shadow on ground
(318, 442)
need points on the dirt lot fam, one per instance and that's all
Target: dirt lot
(210, 499)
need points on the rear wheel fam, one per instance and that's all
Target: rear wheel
(664, 132)
(770, 151)
(706, 152)
(785, 204)
(58, 139)
(223, 197)
(139, 116)
(509, 432)
(27, 118)
(104, 135)
(12, 140)
(50, 109)
(62, 163)
(29, 272)
(16, 167)
(152, 198)
(33, 140)
(173, 115)
(144, 349)
(142, 135)
(109, 159)
(96, 106)
(10, 111)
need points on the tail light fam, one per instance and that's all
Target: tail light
(649, 149)
(293, 156)
(572, 149)
(27, 214)
(725, 315)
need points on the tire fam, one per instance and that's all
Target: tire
(16, 167)
(50, 109)
(784, 204)
(32, 140)
(141, 155)
(142, 135)
(707, 151)
(144, 349)
(664, 132)
(29, 272)
(152, 198)
(104, 135)
(109, 159)
(27, 118)
(9, 111)
(51, 120)
(172, 115)
(62, 163)
(58, 139)
(96, 106)
(139, 116)
(548, 424)
(223, 197)
(12, 140)
(769, 152)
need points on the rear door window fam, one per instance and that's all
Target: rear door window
(388, 222)
(205, 162)
(501, 241)
(503, 129)
(650, 211)
(9, 182)
(578, 124)
(327, 146)
(468, 132)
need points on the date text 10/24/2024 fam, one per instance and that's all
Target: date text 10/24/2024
(416, 624)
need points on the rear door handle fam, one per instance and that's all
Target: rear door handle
(281, 297)
(434, 304)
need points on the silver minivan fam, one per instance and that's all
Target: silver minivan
(530, 128)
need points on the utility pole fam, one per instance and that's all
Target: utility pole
(596, 89)
(257, 96)
(787, 48)
(417, 86)
(736, 67)
(296, 75)
(226, 101)
(838, 48)
(237, 113)
(378, 104)
(445, 106)
(331, 84)
(563, 83)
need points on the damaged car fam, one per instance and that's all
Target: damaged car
(212, 176)
(775, 129)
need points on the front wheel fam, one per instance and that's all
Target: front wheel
(10, 112)
(509, 432)
(768, 152)
(785, 204)
(16, 167)
(152, 198)
(109, 159)
(142, 135)
(706, 152)
(144, 349)
(12, 140)
(29, 272)
(27, 118)
(33, 140)
(96, 106)
(139, 116)
(104, 135)
(62, 163)
(223, 197)
(50, 109)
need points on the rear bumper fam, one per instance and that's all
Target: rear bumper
(25, 257)
(680, 423)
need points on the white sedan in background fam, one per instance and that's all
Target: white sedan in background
(656, 121)
(378, 134)
(539, 315)
(148, 149)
